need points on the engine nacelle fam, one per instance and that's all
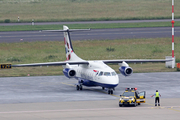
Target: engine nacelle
(69, 72)
(126, 71)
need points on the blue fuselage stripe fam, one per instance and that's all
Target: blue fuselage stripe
(91, 83)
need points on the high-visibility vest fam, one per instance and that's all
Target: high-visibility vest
(157, 94)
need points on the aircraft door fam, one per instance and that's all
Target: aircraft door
(141, 97)
(95, 75)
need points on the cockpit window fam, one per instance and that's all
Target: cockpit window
(101, 73)
(113, 73)
(107, 73)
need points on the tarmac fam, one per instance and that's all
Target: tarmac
(86, 110)
(56, 98)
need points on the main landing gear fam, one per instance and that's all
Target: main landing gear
(79, 87)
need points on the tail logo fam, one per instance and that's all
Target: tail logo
(68, 49)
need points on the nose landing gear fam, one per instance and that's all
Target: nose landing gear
(110, 91)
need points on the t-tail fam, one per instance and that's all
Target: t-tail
(70, 55)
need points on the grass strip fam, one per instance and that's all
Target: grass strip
(78, 10)
(83, 26)
(52, 51)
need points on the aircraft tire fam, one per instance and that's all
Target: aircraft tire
(80, 87)
(77, 87)
(120, 105)
(111, 91)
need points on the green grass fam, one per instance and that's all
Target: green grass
(92, 26)
(48, 51)
(85, 10)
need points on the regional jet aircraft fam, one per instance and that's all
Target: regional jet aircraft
(89, 73)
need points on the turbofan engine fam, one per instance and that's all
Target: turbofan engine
(125, 69)
(69, 72)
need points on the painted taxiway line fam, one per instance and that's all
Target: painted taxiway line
(157, 107)
(68, 84)
(95, 109)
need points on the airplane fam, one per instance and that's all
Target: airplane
(92, 72)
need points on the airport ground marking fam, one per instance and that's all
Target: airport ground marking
(158, 107)
(149, 104)
(167, 107)
(173, 109)
(90, 109)
(68, 84)
(67, 110)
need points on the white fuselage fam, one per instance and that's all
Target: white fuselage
(96, 74)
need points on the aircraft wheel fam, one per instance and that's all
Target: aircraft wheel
(111, 91)
(108, 91)
(77, 87)
(80, 87)
(139, 103)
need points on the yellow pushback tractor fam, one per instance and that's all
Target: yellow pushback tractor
(132, 97)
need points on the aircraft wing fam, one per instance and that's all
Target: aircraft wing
(51, 64)
(135, 60)
(86, 62)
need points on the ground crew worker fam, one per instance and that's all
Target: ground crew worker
(157, 94)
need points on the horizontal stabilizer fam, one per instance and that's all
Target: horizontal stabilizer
(68, 30)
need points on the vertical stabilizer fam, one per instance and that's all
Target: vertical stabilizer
(70, 55)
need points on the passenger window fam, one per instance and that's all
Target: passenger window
(101, 73)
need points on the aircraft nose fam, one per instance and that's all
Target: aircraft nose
(114, 80)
